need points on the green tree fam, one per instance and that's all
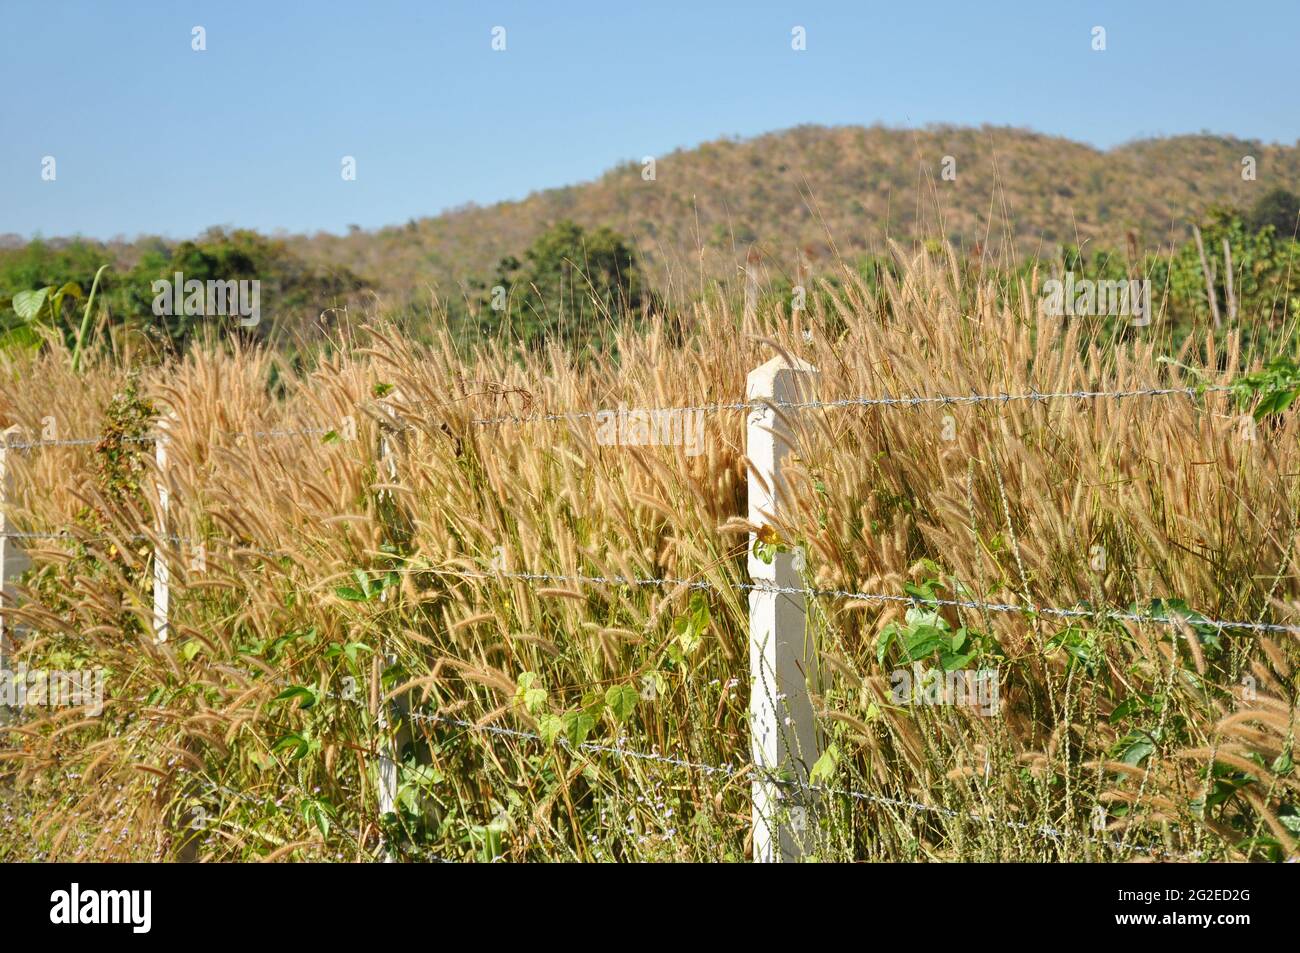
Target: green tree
(1278, 208)
(572, 286)
(293, 293)
(1266, 283)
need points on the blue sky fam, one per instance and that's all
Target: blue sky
(150, 136)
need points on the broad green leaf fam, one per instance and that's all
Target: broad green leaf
(294, 741)
(924, 591)
(953, 661)
(621, 701)
(550, 727)
(593, 704)
(1125, 708)
(1136, 747)
(577, 726)
(306, 696)
(915, 616)
(823, 771)
(531, 693)
(922, 641)
(28, 304)
(699, 609)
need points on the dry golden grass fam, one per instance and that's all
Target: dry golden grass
(1013, 507)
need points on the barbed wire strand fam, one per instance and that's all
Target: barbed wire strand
(28, 445)
(884, 401)
(669, 581)
(621, 751)
(1100, 615)
(731, 771)
(1032, 396)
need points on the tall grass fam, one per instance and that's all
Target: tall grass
(325, 572)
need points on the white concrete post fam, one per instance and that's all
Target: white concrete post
(13, 561)
(782, 657)
(161, 571)
(387, 767)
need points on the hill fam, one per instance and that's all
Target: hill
(805, 192)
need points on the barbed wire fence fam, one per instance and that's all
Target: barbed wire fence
(781, 751)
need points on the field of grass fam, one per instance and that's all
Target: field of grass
(332, 589)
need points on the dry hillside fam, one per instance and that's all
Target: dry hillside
(804, 191)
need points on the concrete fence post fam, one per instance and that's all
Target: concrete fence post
(161, 569)
(782, 656)
(13, 561)
(387, 780)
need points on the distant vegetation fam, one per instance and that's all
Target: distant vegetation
(809, 206)
(808, 196)
(570, 287)
(293, 291)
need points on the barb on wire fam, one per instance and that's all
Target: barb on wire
(28, 445)
(617, 750)
(276, 434)
(1004, 398)
(731, 771)
(884, 401)
(1005, 607)
(70, 442)
(590, 414)
(1098, 614)
(719, 407)
(172, 538)
(1052, 611)
(94, 538)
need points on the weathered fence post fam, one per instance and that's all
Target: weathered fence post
(12, 558)
(782, 657)
(161, 571)
(386, 782)
(387, 765)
